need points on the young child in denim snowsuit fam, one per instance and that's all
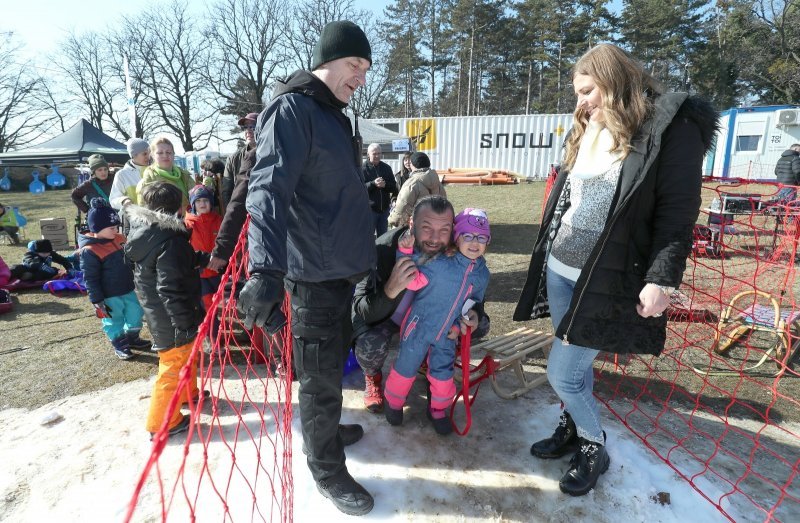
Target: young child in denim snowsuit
(431, 325)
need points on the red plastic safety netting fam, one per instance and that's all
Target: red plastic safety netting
(720, 406)
(235, 461)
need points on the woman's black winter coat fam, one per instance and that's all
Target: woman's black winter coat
(646, 239)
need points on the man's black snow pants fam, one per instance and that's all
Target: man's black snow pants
(321, 330)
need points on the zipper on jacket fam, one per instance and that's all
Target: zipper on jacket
(588, 277)
(617, 211)
(458, 298)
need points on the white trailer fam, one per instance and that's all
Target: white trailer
(523, 145)
(751, 140)
(191, 160)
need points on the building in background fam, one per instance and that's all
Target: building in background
(523, 145)
(750, 141)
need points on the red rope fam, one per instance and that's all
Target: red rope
(686, 406)
(487, 364)
(256, 419)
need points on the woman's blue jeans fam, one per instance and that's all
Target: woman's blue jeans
(569, 368)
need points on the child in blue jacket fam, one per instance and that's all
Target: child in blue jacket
(431, 325)
(109, 280)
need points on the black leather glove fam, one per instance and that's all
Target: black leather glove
(260, 302)
(202, 259)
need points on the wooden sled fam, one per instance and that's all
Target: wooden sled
(763, 314)
(510, 350)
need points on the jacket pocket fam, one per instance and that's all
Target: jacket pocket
(637, 262)
(411, 324)
(325, 244)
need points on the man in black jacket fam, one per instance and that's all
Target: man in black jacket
(235, 216)
(787, 172)
(380, 183)
(233, 166)
(311, 232)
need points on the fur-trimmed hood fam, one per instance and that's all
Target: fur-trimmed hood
(701, 112)
(150, 229)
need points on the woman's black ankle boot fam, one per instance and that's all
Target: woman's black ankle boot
(586, 465)
(563, 441)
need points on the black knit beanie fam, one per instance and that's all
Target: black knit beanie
(101, 215)
(40, 246)
(420, 161)
(340, 39)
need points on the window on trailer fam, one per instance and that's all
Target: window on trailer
(749, 135)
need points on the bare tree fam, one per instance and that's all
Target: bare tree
(54, 104)
(95, 82)
(23, 118)
(147, 119)
(368, 97)
(247, 37)
(309, 19)
(169, 62)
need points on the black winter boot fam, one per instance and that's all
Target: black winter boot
(350, 433)
(586, 465)
(393, 416)
(563, 441)
(441, 425)
(135, 342)
(345, 492)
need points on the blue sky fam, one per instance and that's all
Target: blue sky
(41, 24)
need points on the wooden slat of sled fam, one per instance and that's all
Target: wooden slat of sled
(510, 350)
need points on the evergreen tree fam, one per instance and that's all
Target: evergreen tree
(402, 30)
(436, 48)
(505, 91)
(536, 28)
(474, 26)
(665, 35)
(714, 69)
(765, 36)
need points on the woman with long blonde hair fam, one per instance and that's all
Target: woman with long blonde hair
(614, 239)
